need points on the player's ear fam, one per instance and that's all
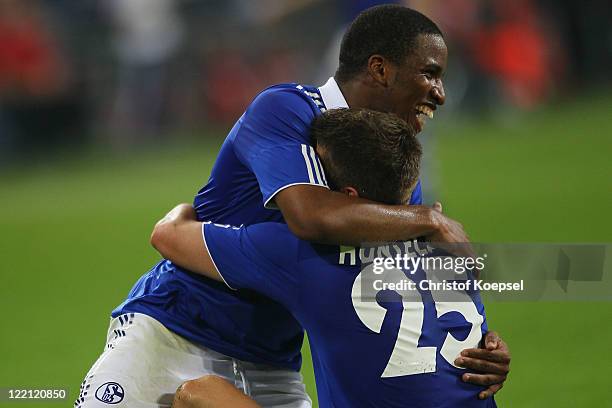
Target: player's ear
(380, 70)
(349, 191)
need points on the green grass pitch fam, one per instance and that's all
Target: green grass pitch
(74, 238)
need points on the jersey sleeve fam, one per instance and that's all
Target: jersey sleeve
(273, 141)
(262, 257)
(416, 198)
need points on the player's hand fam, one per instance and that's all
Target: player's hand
(491, 364)
(450, 235)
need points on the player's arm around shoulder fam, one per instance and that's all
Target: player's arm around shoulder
(178, 238)
(321, 215)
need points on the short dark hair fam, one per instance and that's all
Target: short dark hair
(376, 153)
(388, 30)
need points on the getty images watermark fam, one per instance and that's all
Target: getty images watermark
(504, 272)
(460, 267)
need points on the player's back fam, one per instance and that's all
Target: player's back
(370, 347)
(385, 348)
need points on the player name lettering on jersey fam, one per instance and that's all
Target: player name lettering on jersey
(367, 255)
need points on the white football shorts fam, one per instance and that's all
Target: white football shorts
(144, 363)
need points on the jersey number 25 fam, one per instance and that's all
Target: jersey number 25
(407, 358)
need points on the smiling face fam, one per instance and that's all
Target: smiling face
(415, 88)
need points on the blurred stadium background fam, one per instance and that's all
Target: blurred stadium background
(112, 111)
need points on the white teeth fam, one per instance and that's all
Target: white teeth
(425, 110)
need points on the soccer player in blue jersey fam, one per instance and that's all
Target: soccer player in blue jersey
(364, 354)
(178, 325)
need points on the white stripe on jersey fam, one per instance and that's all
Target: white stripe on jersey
(308, 166)
(313, 95)
(322, 171)
(316, 165)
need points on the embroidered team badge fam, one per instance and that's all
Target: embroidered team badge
(110, 393)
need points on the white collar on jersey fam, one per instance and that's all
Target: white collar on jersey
(332, 96)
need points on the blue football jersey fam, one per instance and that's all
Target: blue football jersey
(391, 351)
(268, 149)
